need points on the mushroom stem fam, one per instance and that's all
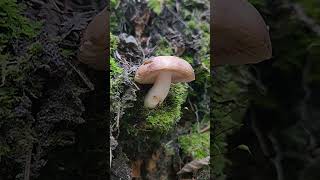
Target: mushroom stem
(159, 90)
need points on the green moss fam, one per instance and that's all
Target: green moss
(196, 145)
(188, 58)
(230, 98)
(114, 42)
(13, 25)
(4, 150)
(114, 66)
(35, 48)
(156, 6)
(163, 118)
(163, 48)
(205, 45)
(115, 69)
(192, 24)
(114, 3)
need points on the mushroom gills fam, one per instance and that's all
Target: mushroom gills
(159, 90)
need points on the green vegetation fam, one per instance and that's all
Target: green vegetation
(142, 130)
(230, 100)
(114, 41)
(196, 145)
(164, 117)
(163, 48)
(17, 135)
(156, 5)
(114, 67)
(13, 25)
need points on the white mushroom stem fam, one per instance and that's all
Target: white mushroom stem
(159, 90)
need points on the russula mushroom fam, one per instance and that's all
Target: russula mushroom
(161, 71)
(239, 34)
(94, 47)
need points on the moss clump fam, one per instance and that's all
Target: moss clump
(163, 118)
(115, 69)
(164, 48)
(196, 145)
(114, 66)
(192, 24)
(114, 42)
(157, 5)
(35, 48)
(13, 73)
(205, 45)
(13, 25)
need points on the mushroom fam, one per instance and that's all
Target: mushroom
(240, 35)
(161, 71)
(94, 47)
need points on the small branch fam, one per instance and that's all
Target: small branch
(85, 80)
(205, 129)
(278, 157)
(226, 130)
(173, 13)
(27, 166)
(306, 19)
(259, 135)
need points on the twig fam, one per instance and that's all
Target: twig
(303, 106)
(85, 80)
(27, 165)
(173, 13)
(205, 129)
(259, 135)
(226, 130)
(197, 117)
(306, 19)
(278, 158)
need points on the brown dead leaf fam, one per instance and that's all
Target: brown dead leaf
(194, 165)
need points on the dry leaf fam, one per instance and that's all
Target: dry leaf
(194, 165)
(244, 147)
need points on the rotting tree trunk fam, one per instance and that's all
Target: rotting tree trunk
(55, 127)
